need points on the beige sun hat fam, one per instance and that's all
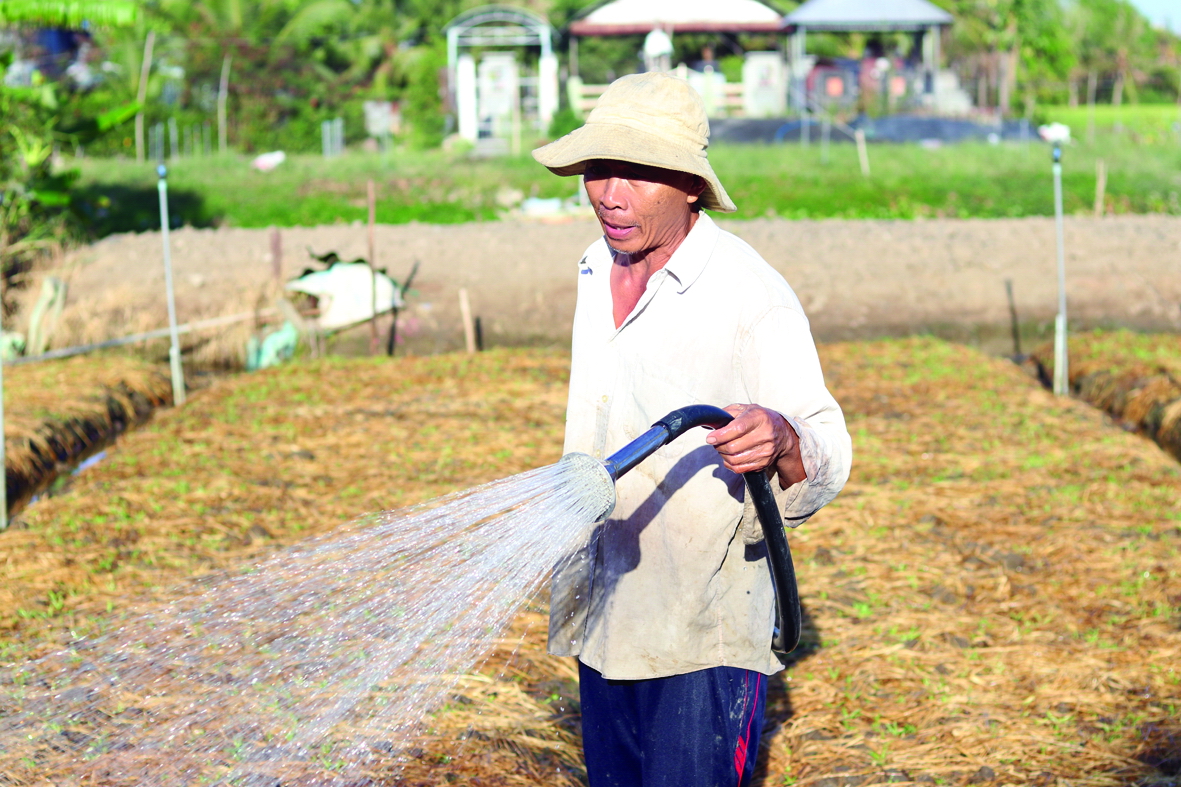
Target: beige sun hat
(654, 119)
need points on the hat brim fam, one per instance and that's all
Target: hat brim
(570, 154)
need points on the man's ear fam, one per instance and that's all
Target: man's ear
(696, 190)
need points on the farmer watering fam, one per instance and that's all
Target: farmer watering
(669, 605)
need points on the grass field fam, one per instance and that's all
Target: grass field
(993, 599)
(908, 181)
(1151, 123)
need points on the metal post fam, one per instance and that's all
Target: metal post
(825, 134)
(178, 374)
(1061, 372)
(173, 140)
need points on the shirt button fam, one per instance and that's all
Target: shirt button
(604, 397)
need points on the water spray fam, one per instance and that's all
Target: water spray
(319, 663)
(786, 634)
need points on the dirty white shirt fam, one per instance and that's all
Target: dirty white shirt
(676, 579)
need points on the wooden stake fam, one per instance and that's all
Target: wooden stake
(223, 90)
(277, 254)
(862, 152)
(141, 95)
(469, 327)
(1100, 188)
(1092, 84)
(374, 339)
(3, 456)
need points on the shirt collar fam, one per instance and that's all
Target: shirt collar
(691, 257)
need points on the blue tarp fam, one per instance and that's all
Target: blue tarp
(891, 128)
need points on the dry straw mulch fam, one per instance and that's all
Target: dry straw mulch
(58, 412)
(264, 460)
(1135, 377)
(993, 599)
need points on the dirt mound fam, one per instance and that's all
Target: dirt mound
(855, 278)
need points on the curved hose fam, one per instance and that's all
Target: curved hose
(786, 635)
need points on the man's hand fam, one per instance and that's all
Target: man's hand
(759, 438)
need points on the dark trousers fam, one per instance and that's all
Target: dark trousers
(700, 729)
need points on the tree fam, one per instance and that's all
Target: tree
(35, 201)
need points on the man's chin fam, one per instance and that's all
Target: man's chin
(617, 248)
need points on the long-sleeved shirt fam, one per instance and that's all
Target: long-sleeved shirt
(675, 580)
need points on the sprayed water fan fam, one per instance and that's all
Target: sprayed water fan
(786, 634)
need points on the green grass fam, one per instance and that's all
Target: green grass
(1152, 123)
(907, 181)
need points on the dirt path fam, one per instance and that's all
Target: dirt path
(856, 278)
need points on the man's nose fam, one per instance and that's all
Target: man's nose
(614, 193)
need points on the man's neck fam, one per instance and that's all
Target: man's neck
(630, 274)
(643, 265)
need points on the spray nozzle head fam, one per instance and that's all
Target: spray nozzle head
(596, 485)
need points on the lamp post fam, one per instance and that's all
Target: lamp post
(1061, 376)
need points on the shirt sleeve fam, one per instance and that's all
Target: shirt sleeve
(781, 371)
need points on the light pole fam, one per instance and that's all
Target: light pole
(178, 374)
(1061, 376)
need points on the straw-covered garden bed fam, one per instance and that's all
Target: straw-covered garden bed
(993, 599)
(1135, 377)
(58, 413)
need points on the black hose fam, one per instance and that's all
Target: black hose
(788, 623)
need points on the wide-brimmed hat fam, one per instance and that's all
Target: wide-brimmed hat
(654, 119)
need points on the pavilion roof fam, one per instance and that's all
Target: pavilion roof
(866, 15)
(632, 17)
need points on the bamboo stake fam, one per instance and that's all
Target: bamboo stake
(1092, 84)
(223, 90)
(1100, 188)
(862, 152)
(469, 328)
(158, 333)
(141, 95)
(3, 455)
(277, 255)
(374, 339)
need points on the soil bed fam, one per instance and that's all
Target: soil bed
(992, 600)
(1133, 377)
(58, 413)
(857, 279)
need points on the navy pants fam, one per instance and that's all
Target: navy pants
(700, 729)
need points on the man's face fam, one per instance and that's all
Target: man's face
(641, 208)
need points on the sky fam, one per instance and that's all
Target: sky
(1162, 12)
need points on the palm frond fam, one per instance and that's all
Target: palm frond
(69, 13)
(314, 17)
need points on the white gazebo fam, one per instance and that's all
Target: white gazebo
(493, 98)
(863, 16)
(763, 74)
(637, 17)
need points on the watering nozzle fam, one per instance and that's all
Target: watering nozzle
(788, 616)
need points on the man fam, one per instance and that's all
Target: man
(669, 607)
